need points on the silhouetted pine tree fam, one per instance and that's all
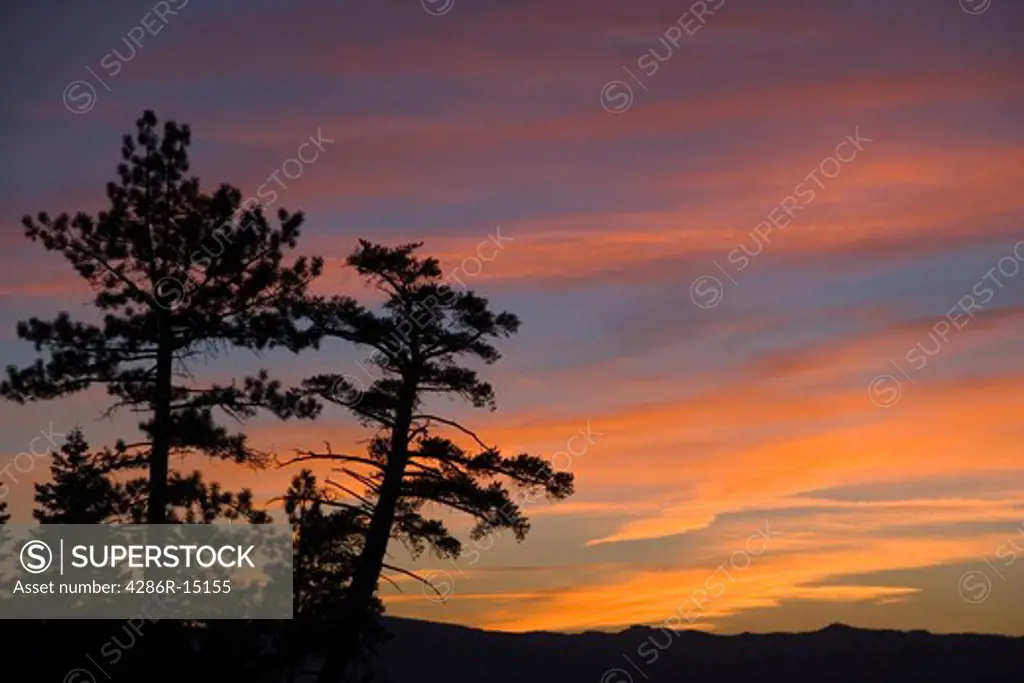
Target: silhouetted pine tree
(193, 501)
(419, 341)
(81, 490)
(176, 273)
(328, 537)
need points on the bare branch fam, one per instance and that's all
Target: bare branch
(422, 429)
(456, 425)
(350, 492)
(415, 577)
(368, 483)
(307, 456)
(392, 582)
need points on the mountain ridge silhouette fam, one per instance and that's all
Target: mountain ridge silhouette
(837, 653)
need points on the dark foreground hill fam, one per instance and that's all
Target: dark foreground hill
(437, 653)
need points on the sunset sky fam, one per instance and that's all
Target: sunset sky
(774, 275)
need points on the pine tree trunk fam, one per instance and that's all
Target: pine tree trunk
(371, 561)
(159, 459)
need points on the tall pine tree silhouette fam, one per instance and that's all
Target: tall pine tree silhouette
(176, 273)
(418, 342)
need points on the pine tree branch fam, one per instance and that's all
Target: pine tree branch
(456, 425)
(307, 456)
(70, 243)
(365, 481)
(441, 349)
(416, 577)
(350, 492)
